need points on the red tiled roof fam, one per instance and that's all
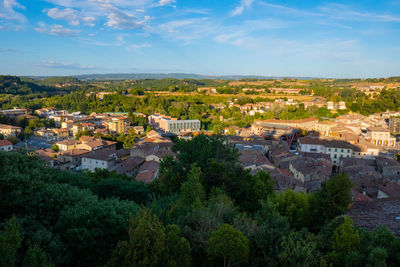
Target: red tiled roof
(5, 143)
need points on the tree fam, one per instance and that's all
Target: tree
(10, 242)
(331, 200)
(345, 240)
(36, 257)
(230, 244)
(192, 190)
(55, 148)
(12, 139)
(299, 249)
(177, 251)
(145, 245)
(294, 206)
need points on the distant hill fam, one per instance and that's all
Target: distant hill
(25, 85)
(138, 76)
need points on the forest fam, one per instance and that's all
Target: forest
(205, 210)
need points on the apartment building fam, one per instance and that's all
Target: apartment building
(394, 124)
(173, 125)
(381, 137)
(336, 149)
(9, 130)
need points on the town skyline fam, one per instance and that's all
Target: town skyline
(341, 39)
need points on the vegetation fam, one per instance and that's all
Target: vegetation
(204, 211)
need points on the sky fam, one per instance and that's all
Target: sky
(292, 38)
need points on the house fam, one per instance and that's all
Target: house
(9, 130)
(130, 166)
(324, 127)
(148, 172)
(99, 159)
(13, 113)
(336, 149)
(48, 155)
(91, 143)
(6, 145)
(381, 137)
(67, 144)
(62, 133)
(308, 169)
(138, 129)
(388, 167)
(71, 157)
(255, 160)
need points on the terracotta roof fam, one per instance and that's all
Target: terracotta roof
(5, 143)
(6, 126)
(74, 152)
(102, 154)
(129, 164)
(145, 177)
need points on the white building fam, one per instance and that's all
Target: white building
(99, 159)
(6, 145)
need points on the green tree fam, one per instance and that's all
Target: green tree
(55, 148)
(299, 249)
(294, 206)
(331, 200)
(346, 239)
(230, 244)
(145, 245)
(177, 251)
(36, 257)
(10, 242)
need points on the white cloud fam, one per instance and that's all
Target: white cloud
(121, 20)
(240, 8)
(165, 2)
(68, 14)
(8, 16)
(63, 65)
(56, 30)
(138, 46)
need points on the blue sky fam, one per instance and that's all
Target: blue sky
(259, 37)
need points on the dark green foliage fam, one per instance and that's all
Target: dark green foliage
(229, 244)
(10, 242)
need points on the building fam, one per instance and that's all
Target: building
(336, 106)
(71, 158)
(9, 130)
(336, 149)
(67, 144)
(388, 167)
(173, 125)
(304, 124)
(118, 125)
(381, 137)
(6, 145)
(99, 159)
(148, 172)
(325, 127)
(13, 113)
(394, 125)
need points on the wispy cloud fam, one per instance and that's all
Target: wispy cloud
(67, 14)
(9, 17)
(166, 2)
(63, 65)
(138, 46)
(8, 50)
(56, 30)
(241, 7)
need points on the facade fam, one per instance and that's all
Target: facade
(67, 144)
(394, 124)
(13, 113)
(118, 125)
(173, 125)
(9, 130)
(336, 149)
(99, 159)
(6, 145)
(325, 127)
(381, 137)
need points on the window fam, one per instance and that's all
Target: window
(335, 149)
(335, 156)
(342, 151)
(329, 149)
